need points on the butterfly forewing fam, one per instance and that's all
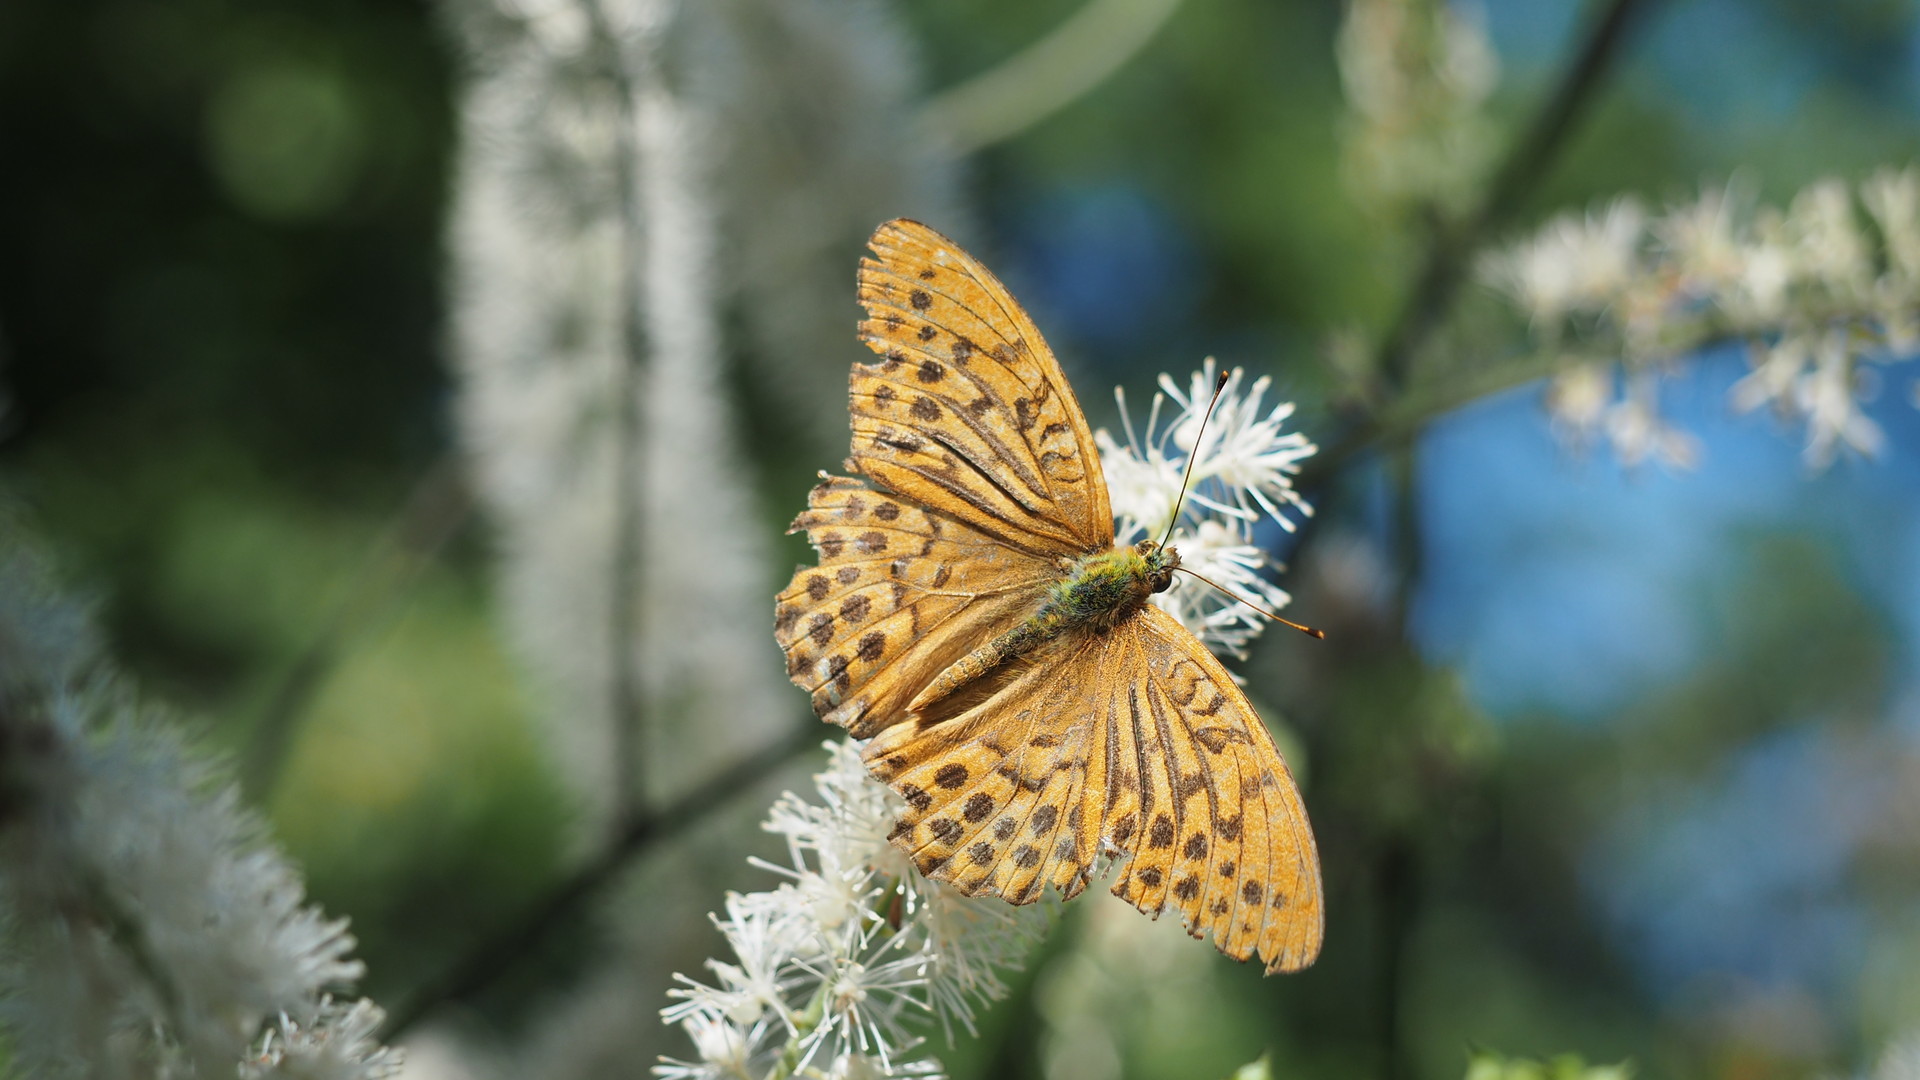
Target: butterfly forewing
(968, 409)
(1131, 742)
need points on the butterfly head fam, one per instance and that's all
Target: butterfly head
(1161, 563)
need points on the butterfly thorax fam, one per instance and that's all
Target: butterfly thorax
(1097, 591)
(1094, 593)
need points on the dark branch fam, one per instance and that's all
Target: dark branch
(493, 955)
(1530, 157)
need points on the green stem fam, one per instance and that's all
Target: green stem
(803, 1026)
(1398, 424)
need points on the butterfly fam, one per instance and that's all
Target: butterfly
(972, 616)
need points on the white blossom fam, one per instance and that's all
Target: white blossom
(1574, 263)
(1815, 293)
(1639, 434)
(1900, 1060)
(1828, 398)
(1578, 397)
(1221, 550)
(340, 1045)
(1815, 376)
(1417, 74)
(1829, 249)
(833, 969)
(1243, 469)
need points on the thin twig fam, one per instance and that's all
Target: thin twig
(436, 509)
(1392, 427)
(1046, 76)
(1516, 178)
(1397, 876)
(495, 954)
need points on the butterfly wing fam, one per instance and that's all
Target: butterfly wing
(968, 412)
(987, 476)
(1226, 838)
(1136, 742)
(1004, 787)
(901, 592)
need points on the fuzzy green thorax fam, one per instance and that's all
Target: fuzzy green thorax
(1101, 589)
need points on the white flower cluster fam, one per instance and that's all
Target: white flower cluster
(1817, 290)
(833, 967)
(1243, 470)
(1416, 74)
(150, 929)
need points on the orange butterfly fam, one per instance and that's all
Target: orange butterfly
(972, 616)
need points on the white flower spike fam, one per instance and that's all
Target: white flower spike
(1815, 292)
(152, 928)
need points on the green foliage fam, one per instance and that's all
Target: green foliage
(1260, 1068)
(1489, 1066)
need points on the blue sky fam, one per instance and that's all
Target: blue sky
(1572, 583)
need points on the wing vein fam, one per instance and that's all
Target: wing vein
(1209, 882)
(978, 504)
(982, 469)
(1162, 704)
(1035, 481)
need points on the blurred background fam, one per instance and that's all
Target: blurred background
(313, 311)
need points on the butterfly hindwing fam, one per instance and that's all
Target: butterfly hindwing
(901, 592)
(968, 410)
(995, 784)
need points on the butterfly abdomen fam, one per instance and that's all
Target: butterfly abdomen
(1095, 593)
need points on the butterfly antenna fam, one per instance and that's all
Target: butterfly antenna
(1307, 630)
(1219, 385)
